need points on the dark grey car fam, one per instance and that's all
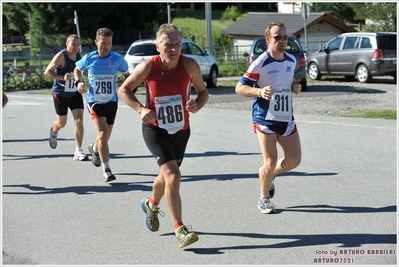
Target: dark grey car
(359, 55)
(294, 48)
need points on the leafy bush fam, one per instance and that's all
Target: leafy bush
(227, 70)
(87, 41)
(47, 82)
(231, 12)
(219, 39)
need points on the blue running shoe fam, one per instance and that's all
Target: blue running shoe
(151, 215)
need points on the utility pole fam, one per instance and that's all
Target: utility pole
(168, 10)
(30, 37)
(305, 11)
(208, 17)
(77, 28)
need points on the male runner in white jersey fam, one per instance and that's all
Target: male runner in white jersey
(270, 80)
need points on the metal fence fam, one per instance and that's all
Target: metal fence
(14, 39)
(226, 55)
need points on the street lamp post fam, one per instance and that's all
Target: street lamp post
(305, 11)
(208, 16)
(77, 28)
(169, 12)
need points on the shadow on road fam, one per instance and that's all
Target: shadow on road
(346, 240)
(343, 88)
(120, 187)
(79, 190)
(7, 157)
(34, 140)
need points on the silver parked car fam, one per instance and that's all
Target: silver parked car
(359, 55)
(142, 50)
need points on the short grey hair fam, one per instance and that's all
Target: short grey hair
(167, 28)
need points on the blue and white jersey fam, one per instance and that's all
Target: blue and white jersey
(102, 74)
(265, 71)
(66, 88)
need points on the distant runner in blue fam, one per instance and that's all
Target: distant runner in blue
(102, 66)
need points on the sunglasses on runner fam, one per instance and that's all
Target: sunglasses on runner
(279, 37)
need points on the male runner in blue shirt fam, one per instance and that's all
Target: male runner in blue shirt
(103, 66)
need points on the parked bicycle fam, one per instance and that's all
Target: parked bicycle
(20, 78)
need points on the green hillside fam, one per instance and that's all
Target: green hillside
(193, 25)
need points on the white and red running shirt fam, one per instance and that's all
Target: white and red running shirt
(265, 71)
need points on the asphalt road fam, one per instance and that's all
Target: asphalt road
(338, 207)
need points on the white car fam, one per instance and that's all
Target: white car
(142, 50)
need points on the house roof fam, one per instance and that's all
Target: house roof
(255, 23)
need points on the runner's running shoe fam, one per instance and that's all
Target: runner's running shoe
(95, 157)
(266, 206)
(108, 176)
(151, 215)
(80, 156)
(272, 190)
(53, 139)
(184, 237)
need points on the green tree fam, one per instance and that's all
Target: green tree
(51, 22)
(382, 15)
(15, 18)
(231, 12)
(344, 11)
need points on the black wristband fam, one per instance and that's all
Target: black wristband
(77, 82)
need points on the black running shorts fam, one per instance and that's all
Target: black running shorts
(164, 146)
(62, 104)
(107, 110)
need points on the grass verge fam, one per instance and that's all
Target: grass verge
(371, 114)
(227, 83)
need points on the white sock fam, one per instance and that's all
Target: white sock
(151, 205)
(106, 165)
